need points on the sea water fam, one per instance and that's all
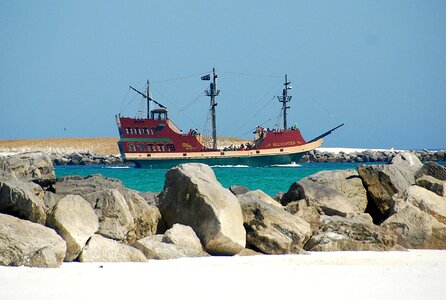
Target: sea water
(271, 180)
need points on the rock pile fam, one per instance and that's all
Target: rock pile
(370, 156)
(84, 158)
(45, 221)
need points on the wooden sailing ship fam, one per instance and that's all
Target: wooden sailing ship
(156, 142)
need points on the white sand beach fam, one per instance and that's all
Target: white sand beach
(414, 274)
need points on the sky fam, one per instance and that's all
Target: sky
(377, 66)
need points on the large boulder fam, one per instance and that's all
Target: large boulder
(115, 219)
(432, 184)
(146, 216)
(426, 201)
(346, 183)
(310, 214)
(156, 247)
(357, 233)
(75, 221)
(432, 169)
(383, 181)
(271, 229)
(24, 243)
(78, 185)
(19, 199)
(192, 196)
(183, 236)
(417, 229)
(101, 249)
(36, 167)
(259, 195)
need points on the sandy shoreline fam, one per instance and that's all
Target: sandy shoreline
(414, 274)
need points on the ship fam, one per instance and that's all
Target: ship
(154, 141)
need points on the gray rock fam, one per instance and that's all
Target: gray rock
(19, 199)
(326, 199)
(101, 249)
(146, 217)
(36, 167)
(383, 181)
(192, 196)
(351, 234)
(310, 214)
(259, 195)
(75, 221)
(416, 229)
(24, 243)
(426, 201)
(237, 189)
(115, 219)
(150, 197)
(346, 182)
(432, 169)
(153, 247)
(183, 236)
(271, 229)
(78, 185)
(432, 184)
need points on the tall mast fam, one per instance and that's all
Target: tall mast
(148, 99)
(213, 92)
(284, 99)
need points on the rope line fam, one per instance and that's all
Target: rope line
(181, 77)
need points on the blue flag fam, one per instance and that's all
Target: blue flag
(206, 77)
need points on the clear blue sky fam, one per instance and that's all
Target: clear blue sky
(377, 66)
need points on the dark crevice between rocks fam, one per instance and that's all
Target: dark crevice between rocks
(372, 209)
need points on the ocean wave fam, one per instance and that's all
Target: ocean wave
(291, 165)
(230, 166)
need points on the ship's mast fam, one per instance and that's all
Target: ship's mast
(148, 99)
(212, 93)
(284, 99)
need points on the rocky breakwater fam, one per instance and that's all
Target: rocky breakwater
(45, 221)
(83, 158)
(370, 156)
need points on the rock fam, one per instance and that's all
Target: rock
(432, 169)
(416, 229)
(36, 167)
(248, 252)
(101, 249)
(24, 243)
(432, 184)
(50, 200)
(75, 221)
(19, 199)
(192, 196)
(115, 219)
(237, 190)
(153, 247)
(346, 182)
(351, 234)
(326, 199)
(259, 195)
(426, 201)
(383, 181)
(308, 213)
(150, 197)
(271, 229)
(82, 186)
(183, 236)
(278, 196)
(146, 217)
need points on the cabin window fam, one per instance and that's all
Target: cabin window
(140, 147)
(131, 148)
(127, 130)
(150, 148)
(137, 130)
(145, 131)
(160, 147)
(171, 147)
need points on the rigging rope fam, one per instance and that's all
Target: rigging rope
(182, 77)
(193, 101)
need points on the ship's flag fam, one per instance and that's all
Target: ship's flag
(206, 77)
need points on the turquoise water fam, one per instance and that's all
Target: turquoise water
(270, 179)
